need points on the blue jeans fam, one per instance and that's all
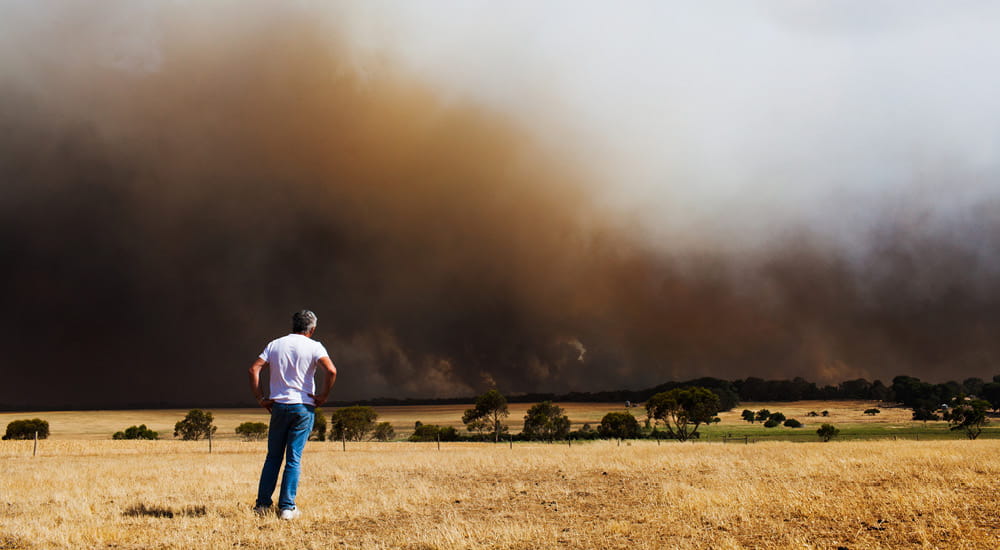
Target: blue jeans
(286, 436)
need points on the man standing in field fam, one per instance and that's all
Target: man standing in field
(292, 401)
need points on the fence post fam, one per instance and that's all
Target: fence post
(34, 451)
(438, 437)
(510, 439)
(343, 439)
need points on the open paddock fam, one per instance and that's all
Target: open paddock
(637, 495)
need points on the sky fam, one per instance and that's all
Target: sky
(551, 196)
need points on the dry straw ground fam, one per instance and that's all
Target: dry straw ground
(858, 495)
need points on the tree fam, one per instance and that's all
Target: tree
(777, 417)
(136, 432)
(792, 423)
(872, 412)
(352, 423)
(488, 414)
(826, 432)
(319, 426)
(26, 429)
(196, 425)
(812, 413)
(546, 421)
(384, 432)
(763, 415)
(925, 415)
(771, 423)
(618, 425)
(748, 415)
(683, 410)
(991, 393)
(968, 415)
(825, 413)
(252, 430)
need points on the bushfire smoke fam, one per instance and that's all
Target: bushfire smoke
(168, 200)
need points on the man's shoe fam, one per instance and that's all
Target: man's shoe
(290, 513)
(261, 510)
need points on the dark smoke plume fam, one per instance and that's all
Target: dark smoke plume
(162, 216)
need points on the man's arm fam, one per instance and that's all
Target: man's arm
(328, 380)
(255, 369)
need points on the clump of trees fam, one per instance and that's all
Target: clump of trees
(136, 432)
(195, 425)
(771, 419)
(545, 421)
(487, 415)
(252, 431)
(683, 410)
(26, 429)
(352, 423)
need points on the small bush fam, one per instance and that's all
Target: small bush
(872, 412)
(252, 431)
(812, 414)
(777, 417)
(770, 423)
(136, 432)
(619, 425)
(431, 432)
(792, 423)
(25, 429)
(825, 413)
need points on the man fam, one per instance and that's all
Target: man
(292, 401)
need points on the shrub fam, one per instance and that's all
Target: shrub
(872, 412)
(812, 414)
(618, 425)
(431, 432)
(763, 415)
(770, 423)
(196, 425)
(384, 432)
(925, 414)
(777, 417)
(136, 432)
(792, 423)
(252, 430)
(318, 432)
(826, 432)
(825, 413)
(748, 415)
(25, 429)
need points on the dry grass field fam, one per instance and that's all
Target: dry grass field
(84, 490)
(857, 495)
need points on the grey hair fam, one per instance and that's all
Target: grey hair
(303, 321)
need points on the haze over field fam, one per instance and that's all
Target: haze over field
(570, 196)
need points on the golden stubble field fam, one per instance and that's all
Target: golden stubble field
(857, 495)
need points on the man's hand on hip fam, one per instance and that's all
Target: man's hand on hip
(266, 403)
(317, 399)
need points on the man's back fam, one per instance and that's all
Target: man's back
(293, 359)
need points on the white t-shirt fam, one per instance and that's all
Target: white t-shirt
(293, 361)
